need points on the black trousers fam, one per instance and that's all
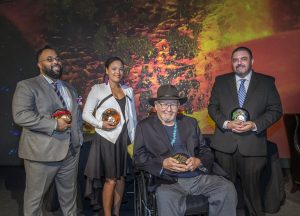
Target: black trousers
(249, 169)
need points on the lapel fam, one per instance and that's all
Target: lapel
(49, 89)
(251, 89)
(233, 89)
(161, 133)
(123, 87)
(181, 128)
(108, 92)
(51, 92)
(72, 95)
(108, 88)
(183, 131)
(185, 134)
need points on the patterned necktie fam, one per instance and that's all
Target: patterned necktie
(242, 92)
(56, 88)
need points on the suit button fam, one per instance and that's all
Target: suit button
(68, 132)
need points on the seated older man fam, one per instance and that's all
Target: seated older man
(171, 148)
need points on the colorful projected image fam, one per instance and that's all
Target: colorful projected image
(184, 43)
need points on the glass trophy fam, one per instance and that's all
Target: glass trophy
(64, 114)
(240, 114)
(111, 115)
(181, 157)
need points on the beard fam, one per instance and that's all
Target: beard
(239, 70)
(54, 72)
(167, 119)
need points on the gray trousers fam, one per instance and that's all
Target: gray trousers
(221, 193)
(40, 175)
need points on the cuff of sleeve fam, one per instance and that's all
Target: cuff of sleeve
(55, 126)
(100, 124)
(161, 171)
(255, 128)
(203, 168)
(225, 124)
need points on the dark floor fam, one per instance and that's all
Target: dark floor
(12, 182)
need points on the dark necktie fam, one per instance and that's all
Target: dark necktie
(242, 92)
(56, 88)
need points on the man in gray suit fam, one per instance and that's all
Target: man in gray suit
(172, 148)
(50, 147)
(240, 140)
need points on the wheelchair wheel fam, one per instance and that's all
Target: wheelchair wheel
(140, 196)
(144, 201)
(152, 204)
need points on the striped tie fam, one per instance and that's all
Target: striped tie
(56, 88)
(242, 92)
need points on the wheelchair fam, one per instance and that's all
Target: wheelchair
(145, 201)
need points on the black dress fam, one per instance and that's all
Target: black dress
(106, 160)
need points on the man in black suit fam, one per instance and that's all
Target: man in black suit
(158, 138)
(240, 141)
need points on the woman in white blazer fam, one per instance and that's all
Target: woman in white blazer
(107, 162)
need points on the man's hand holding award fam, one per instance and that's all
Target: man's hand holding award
(181, 162)
(63, 118)
(240, 121)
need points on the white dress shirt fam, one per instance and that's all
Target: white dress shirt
(64, 92)
(238, 83)
(246, 83)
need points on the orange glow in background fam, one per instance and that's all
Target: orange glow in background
(184, 43)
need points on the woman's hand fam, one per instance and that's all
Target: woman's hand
(107, 125)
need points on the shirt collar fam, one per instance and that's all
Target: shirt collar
(50, 81)
(247, 78)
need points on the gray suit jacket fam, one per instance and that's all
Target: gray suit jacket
(33, 103)
(262, 102)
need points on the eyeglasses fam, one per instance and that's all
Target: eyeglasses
(165, 106)
(51, 59)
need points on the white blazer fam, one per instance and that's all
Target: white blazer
(96, 95)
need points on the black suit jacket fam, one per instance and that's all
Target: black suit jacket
(262, 102)
(152, 144)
